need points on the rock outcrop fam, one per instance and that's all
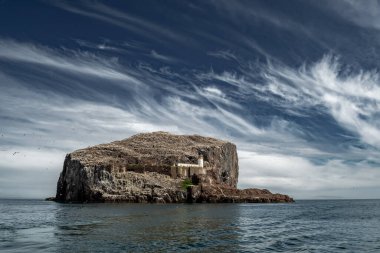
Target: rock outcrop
(143, 168)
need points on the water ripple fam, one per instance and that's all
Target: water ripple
(306, 226)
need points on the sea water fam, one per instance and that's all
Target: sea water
(303, 226)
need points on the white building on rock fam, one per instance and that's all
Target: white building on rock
(188, 169)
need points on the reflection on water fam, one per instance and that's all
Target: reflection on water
(327, 226)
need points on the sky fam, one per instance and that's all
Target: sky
(294, 84)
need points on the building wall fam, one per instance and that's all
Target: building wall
(180, 171)
(187, 165)
(200, 162)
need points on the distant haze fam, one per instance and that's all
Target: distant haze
(294, 84)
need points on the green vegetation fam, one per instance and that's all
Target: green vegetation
(186, 183)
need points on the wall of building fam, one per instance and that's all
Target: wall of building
(187, 165)
(180, 171)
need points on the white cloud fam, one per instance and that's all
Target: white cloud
(161, 57)
(104, 45)
(214, 91)
(223, 54)
(121, 19)
(21, 158)
(353, 100)
(365, 15)
(240, 11)
(216, 96)
(297, 175)
(70, 61)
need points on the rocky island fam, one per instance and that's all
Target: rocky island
(157, 167)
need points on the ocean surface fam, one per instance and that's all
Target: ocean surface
(304, 226)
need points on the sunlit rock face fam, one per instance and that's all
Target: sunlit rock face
(145, 168)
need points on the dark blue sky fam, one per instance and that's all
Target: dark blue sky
(293, 83)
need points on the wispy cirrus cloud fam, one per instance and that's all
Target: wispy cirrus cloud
(318, 85)
(162, 57)
(365, 15)
(103, 45)
(65, 60)
(256, 12)
(351, 99)
(81, 64)
(213, 109)
(113, 16)
(223, 54)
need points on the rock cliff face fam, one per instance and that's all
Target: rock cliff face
(141, 169)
